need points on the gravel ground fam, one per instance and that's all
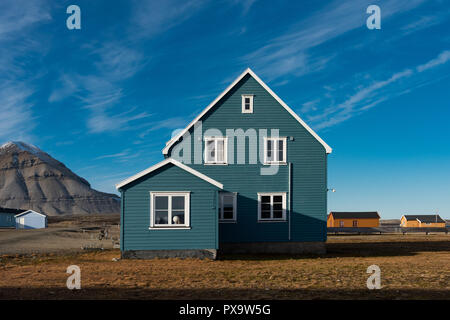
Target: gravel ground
(412, 267)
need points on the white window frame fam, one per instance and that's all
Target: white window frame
(244, 96)
(275, 150)
(170, 194)
(225, 150)
(272, 194)
(221, 195)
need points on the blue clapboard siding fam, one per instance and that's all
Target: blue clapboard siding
(135, 217)
(309, 170)
(32, 220)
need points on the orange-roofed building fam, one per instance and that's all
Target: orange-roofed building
(353, 219)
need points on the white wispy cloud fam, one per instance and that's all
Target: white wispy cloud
(422, 23)
(16, 111)
(290, 53)
(309, 106)
(100, 121)
(244, 4)
(442, 58)
(171, 123)
(367, 97)
(17, 47)
(363, 99)
(115, 155)
(65, 87)
(18, 15)
(151, 18)
(101, 91)
(117, 62)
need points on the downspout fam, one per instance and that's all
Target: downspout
(289, 198)
(216, 207)
(122, 224)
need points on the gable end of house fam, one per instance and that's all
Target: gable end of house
(249, 72)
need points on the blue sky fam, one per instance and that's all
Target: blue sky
(106, 98)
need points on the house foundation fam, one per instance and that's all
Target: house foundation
(274, 247)
(152, 254)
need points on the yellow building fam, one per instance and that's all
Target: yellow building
(353, 220)
(422, 221)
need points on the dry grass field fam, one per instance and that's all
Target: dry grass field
(412, 267)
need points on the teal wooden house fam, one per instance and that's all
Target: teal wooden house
(247, 175)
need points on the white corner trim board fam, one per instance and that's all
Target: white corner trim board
(265, 86)
(162, 164)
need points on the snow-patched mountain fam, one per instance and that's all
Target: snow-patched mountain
(32, 179)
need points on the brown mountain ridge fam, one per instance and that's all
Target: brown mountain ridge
(32, 179)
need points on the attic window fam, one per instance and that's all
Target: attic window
(247, 103)
(215, 150)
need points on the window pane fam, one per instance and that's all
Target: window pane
(161, 202)
(178, 217)
(280, 150)
(277, 199)
(265, 214)
(228, 213)
(277, 206)
(210, 150)
(269, 154)
(265, 206)
(161, 217)
(265, 199)
(228, 207)
(177, 202)
(247, 103)
(228, 201)
(220, 151)
(277, 214)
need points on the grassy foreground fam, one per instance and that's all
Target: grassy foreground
(412, 267)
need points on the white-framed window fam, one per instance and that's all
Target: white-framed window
(247, 103)
(272, 206)
(216, 150)
(275, 150)
(169, 209)
(227, 206)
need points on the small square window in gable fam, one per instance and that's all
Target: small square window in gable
(247, 103)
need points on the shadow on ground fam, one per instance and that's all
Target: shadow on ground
(376, 249)
(356, 249)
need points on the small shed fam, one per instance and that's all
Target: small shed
(422, 221)
(7, 217)
(353, 219)
(31, 220)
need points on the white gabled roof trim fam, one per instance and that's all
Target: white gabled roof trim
(162, 164)
(273, 94)
(29, 211)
